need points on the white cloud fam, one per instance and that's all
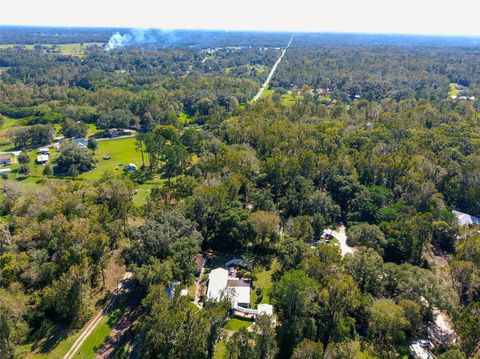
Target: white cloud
(461, 17)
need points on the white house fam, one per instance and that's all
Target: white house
(220, 286)
(217, 283)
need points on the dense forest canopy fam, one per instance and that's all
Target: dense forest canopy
(376, 137)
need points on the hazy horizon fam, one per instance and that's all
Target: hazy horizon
(409, 17)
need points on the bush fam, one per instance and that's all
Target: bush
(23, 158)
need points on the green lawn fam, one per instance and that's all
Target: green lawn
(54, 346)
(7, 123)
(185, 119)
(453, 90)
(264, 281)
(237, 323)
(219, 350)
(267, 92)
(289, 99)
(121, 150)
(98, 335)
(93, 130)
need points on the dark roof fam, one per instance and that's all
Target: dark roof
(237, 283)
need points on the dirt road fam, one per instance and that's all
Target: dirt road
(341, 237)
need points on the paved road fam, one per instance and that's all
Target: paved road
(272, 71)
(94, 322)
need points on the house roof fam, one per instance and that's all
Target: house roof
(465, 219)
(42, 158)
(217, 283)
(240, 295)
(81, 141)
(4, 157)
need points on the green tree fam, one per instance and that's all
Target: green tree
(24, 170)
(338, 298)
(172, 328)
(92, 144)
(71, 154)
(387, 324)
(13, 327)
(72, 128)
(266, 345)
(467, 325)
(367, 235)
(366, 268)
(68, 298)
(240, 345)
(294, 296)
(308, 349)
(23, 158)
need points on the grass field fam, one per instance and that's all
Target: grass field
(121, 150)
(289, 99)
(453, 90)
(53, 347)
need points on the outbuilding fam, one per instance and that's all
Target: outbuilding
(5, 160)
(465, 219)
(41, 159)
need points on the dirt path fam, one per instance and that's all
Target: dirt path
(272, 71)
(94, 322)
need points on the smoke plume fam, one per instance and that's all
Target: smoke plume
(139, 37)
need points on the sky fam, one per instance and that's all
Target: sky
(435, 17)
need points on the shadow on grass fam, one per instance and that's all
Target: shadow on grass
(141, 176)
(54, 334)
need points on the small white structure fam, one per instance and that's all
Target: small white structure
(420, 349)
(5, 171)
(265, 309)
(466, 219)
(43, 151)
(217, 283)
(41, 159)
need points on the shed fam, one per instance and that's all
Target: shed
(5, 160)
(5, 171)
(42, 159)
